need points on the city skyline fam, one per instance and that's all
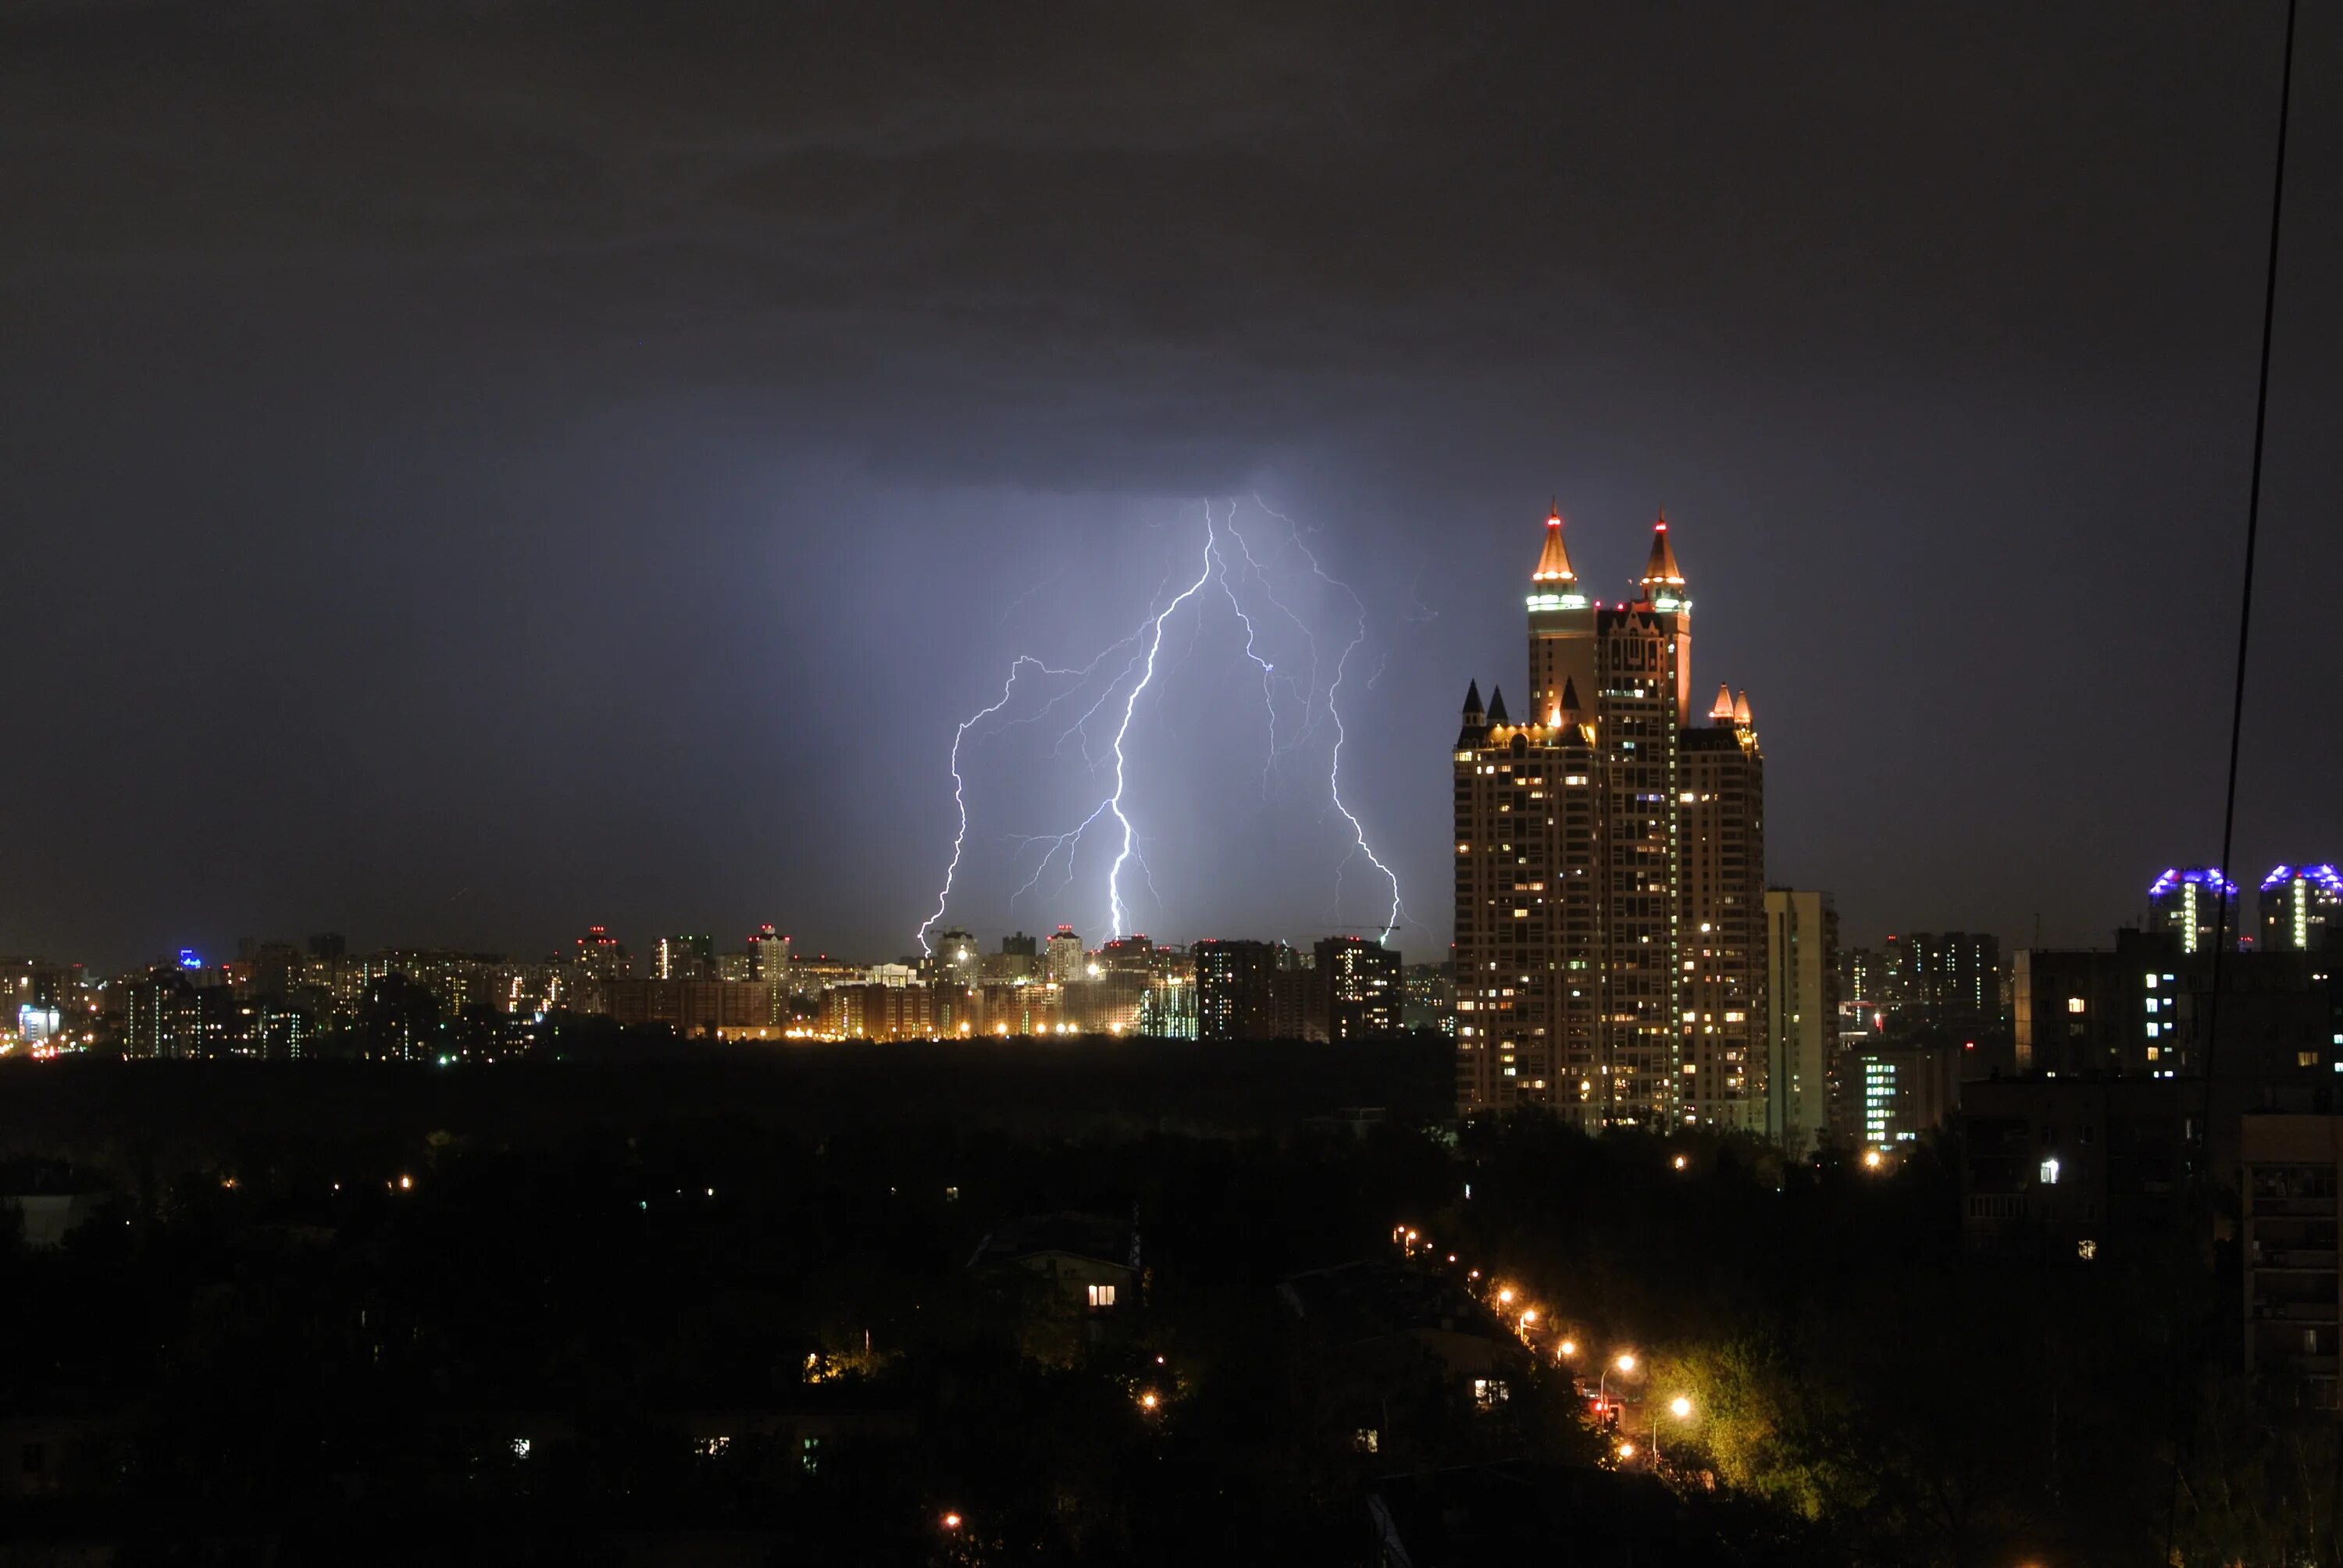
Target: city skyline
(610, 511)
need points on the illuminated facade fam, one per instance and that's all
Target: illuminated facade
(1611, 871)
(1356, 994)
(2302, 909)
(2199, 905)
(1062, 956)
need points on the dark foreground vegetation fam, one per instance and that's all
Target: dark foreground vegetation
(591, 1314)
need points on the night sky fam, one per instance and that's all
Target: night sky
(471, 471)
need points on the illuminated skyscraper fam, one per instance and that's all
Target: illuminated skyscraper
(1356, 994)
(2302, 909)
(1063, 959)
(956, 960)
(769, 952)
(681, 958)
(1236, 991)
(600, 956)
(2189, 903)
(1611, 871)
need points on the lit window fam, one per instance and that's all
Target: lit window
(2074, 1004)
(2050, 1171)
(1102, 1295)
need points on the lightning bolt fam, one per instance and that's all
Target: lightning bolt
(1213, 563)
(1333, 711)
(1268, 670)
(959, 791)
(1115, 927)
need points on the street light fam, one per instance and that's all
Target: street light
(1568, 1348)
(1625, 1361)
(1681, 1408)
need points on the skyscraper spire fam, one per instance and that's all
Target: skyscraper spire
(1554, 584)
(1476, 722)
(1663, 580)
(1720, 710)
(1497, 707)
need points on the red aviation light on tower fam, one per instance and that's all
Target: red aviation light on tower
(1663, 581)
(1554, 584)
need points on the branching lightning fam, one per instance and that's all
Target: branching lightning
(1334, 712)
(959, 789)
(1143, 665)
(1115, 925)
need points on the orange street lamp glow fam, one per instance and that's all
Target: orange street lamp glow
(1529, 1317)
(951, 1521)
(1505, 1298)
(1568, 1347)
(1626, 1362)
(1627, 1450)
(1148, 1401)
(1680, 1407)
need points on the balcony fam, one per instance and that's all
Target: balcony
(2295, 1311)
(2295, 1259)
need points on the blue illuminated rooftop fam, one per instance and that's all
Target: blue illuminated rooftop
(2192, 877)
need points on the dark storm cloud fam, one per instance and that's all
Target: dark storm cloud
(503, 415)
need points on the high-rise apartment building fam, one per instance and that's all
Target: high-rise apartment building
(957, 959)
(1802, 1026)
(2302, 909)
(1953, 971)
(1236, 991)
(768, 951)
(1356, 994)
(2197, 904)
(681, 958)
(1611, 871)
(1063, 957)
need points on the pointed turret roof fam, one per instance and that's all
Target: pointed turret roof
(1661, 571)
(1554, 561)
(1741, 715)
(1472, 697)
(1570, 696)
(1497, 705)
(1720, 710)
